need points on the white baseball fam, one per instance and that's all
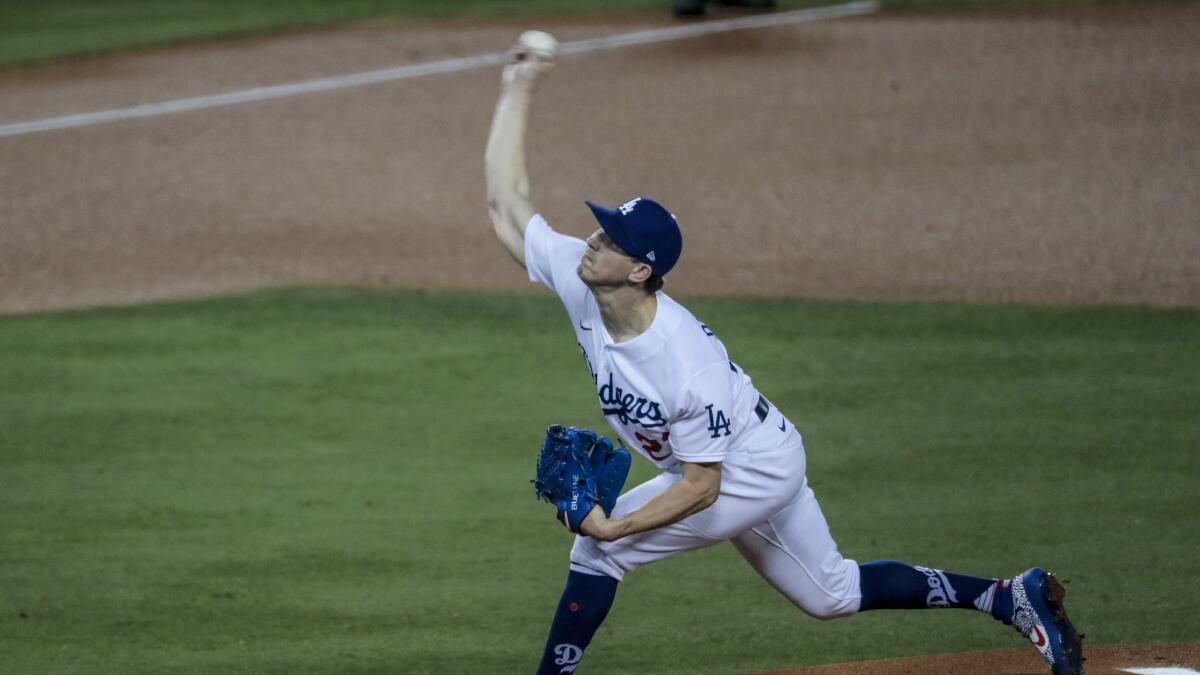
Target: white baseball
(541, 45)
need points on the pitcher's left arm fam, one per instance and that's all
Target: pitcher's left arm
(504, 158)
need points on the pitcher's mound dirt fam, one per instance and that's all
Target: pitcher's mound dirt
(1101, 660)
(1016, 154)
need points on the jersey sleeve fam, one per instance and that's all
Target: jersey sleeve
(704, 426)
(552, 258)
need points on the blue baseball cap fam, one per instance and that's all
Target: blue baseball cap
(644, 230)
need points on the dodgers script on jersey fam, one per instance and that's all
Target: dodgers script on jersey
(670, 393)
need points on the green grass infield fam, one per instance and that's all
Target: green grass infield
(337, 481)
(33, 31)
(48, 29)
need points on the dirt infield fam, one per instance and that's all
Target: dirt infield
(1101, 660)
(1015, 155)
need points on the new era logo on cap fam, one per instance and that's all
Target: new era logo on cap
(644, 230)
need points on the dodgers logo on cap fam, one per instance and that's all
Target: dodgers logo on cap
(644, 229)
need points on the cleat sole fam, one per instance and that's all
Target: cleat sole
(1072, 640)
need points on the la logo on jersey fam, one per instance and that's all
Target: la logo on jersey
(568, 657)
(718, 423)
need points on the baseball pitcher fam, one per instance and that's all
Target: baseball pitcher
(732, 464)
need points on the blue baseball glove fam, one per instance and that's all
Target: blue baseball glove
(576, 469)
(610, 468)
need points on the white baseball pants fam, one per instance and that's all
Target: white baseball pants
(769, 513)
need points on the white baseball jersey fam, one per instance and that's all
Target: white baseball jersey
(671, 393)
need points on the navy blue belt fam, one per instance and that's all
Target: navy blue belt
(762, 408)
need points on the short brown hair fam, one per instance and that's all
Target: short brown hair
(653, 284)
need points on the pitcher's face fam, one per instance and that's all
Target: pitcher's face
(606, 264)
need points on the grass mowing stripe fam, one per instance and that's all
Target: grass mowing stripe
(336, 481)
(363, 78)
(48, 29)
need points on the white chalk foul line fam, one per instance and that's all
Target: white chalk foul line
(434, 68)
(1176, 670)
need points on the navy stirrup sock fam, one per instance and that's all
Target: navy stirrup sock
(585, 602)
(890, 584)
